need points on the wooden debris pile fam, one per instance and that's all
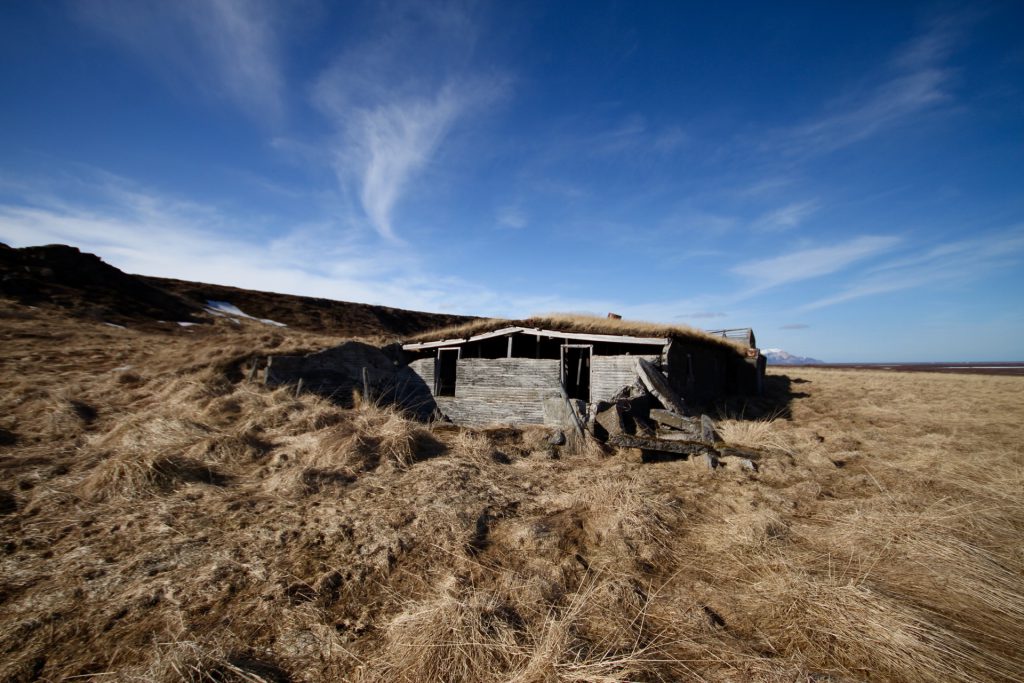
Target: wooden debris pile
(650, 416)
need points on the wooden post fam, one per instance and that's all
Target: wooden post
(366, 385)
(572, 411)
(298, 388)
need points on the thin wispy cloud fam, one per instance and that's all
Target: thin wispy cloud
(700, 315)
(144, 231)
(395, 98)
(787, 217)
(141, 230)
(916, 79)
(229, 48)
(953, 262)
(512, 217)
(805, 264)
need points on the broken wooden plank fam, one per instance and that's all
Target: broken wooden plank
(652, 444)
(708, 430)
(671, 435)
(735, 452)
(657, 384)
(670, 419)
(608, 419)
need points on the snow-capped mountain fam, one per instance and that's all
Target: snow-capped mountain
(780, 357)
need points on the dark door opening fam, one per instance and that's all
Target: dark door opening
(576, 371)
(445, 372)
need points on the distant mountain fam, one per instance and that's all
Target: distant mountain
(780, 357)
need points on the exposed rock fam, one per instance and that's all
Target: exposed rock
(558, 438)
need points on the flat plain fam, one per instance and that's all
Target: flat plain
(166, 518)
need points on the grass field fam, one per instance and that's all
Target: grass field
(164, 518)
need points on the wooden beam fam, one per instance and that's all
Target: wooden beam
(610, 338)
(651, 444)
(572, 411)
(670, 419)
(657, 384)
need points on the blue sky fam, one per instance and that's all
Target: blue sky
(844, 177)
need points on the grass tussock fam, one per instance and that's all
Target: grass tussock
(753, 433)
(189, 524)
(373, 436)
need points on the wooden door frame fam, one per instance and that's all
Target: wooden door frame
(590, 366)
(437, 366)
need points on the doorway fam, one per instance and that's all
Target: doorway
(576, 371)
(445, 372)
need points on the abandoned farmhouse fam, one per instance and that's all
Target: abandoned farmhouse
(547, 371)
(526, 371)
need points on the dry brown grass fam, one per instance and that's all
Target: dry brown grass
(172, 521)
(571, 322)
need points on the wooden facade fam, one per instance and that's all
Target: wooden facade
(518, 375)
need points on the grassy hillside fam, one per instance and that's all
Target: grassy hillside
(165, 519)
(84, 286)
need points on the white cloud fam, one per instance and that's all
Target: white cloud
(959, 261)
(787, 217)
(395, 98)
(227, 47)
(915, 81)
(700, 315)
(805, 264)
(511, 217)
(142, 231)
(396, 140)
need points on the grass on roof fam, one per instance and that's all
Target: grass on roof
(570, 322)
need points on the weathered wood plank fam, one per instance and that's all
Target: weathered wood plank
(651, 444)
(708, 430)
(608, 374)
(671, 419)
(658, 385)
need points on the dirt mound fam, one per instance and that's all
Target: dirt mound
(86, 287)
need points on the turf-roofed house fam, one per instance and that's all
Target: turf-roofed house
(536, 371)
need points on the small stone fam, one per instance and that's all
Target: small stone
(558, 438)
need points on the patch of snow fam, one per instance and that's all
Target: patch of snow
(187, 324)
(123, 368)
(120, 327)
(226, 309)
